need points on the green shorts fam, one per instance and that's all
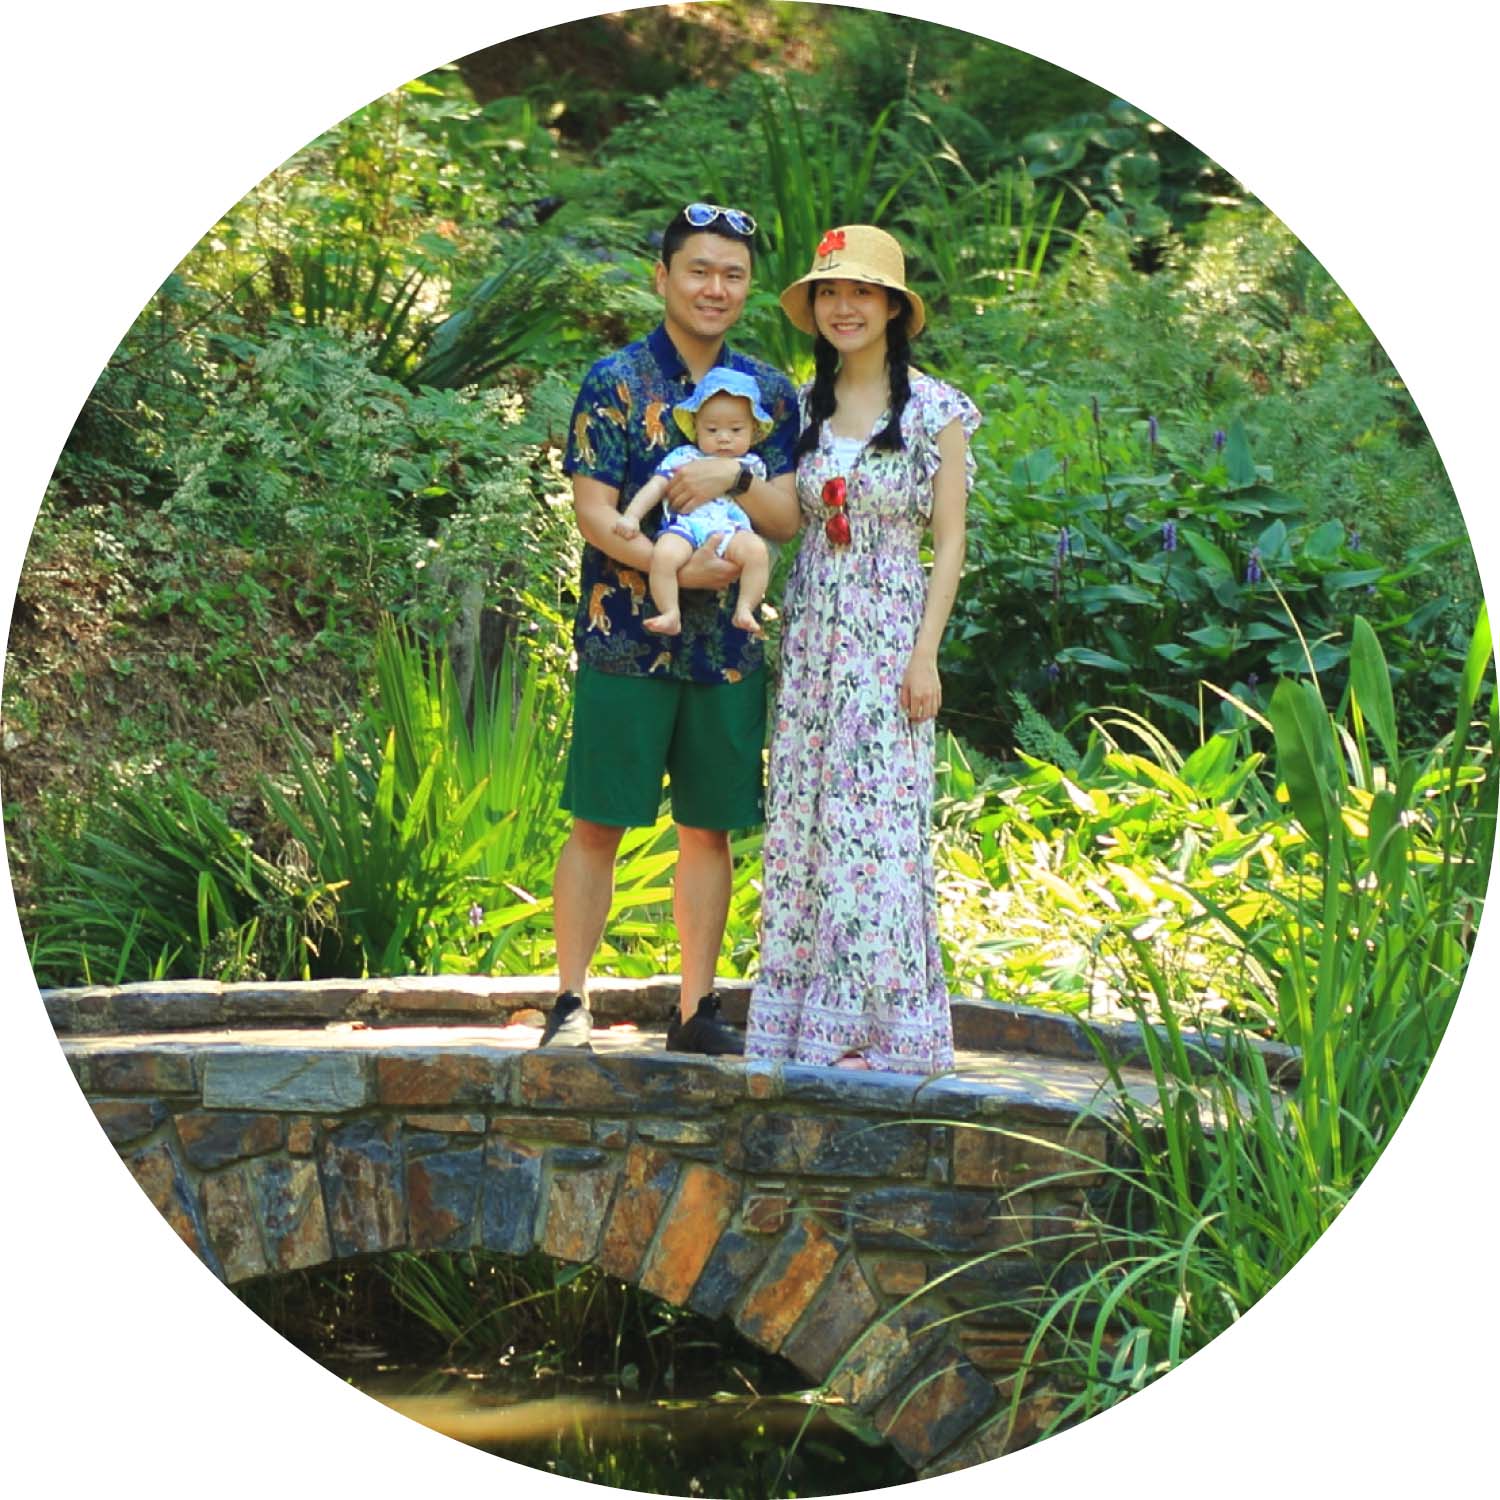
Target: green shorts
(706, 737)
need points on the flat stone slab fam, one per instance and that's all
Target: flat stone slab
(496, 1002)
(336, 1067)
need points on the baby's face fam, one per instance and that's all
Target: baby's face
(726, 426)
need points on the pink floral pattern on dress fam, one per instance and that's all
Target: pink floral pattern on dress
(849, 947)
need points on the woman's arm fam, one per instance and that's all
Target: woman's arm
(921, 689)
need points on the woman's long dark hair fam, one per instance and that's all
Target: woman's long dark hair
(820, 400)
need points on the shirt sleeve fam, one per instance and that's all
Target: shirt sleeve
(780, 445)
(596, 433)
(756, 465)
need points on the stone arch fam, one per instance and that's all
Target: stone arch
(805, 1206)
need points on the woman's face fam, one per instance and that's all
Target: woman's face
(852, 315)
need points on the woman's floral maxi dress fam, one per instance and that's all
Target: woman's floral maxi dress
(849, 948)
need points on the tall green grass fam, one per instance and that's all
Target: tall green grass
(1223, 1177)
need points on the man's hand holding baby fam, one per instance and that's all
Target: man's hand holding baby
(696, 483)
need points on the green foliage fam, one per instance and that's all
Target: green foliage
(160, 884)
(1134, 561)
(1219, 1181)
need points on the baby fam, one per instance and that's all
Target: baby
(722, 418)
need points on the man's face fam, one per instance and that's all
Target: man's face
(705, 287)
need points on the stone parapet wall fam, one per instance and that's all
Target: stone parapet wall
(199, 1004)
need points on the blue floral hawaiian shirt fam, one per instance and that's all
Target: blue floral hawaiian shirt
(622, 428)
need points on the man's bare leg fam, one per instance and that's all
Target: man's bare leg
(700, 905)
(667, 557)
(582, 891)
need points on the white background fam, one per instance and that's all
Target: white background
(131, 127)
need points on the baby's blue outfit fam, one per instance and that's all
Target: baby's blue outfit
(713, 516)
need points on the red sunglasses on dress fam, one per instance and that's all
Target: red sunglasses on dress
(836, 527)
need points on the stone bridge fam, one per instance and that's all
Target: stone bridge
(282, 1126)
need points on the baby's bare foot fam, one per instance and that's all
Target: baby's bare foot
(669, 622)
(744, 620)
(855, 1061)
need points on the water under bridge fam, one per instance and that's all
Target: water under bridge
(868, 1227)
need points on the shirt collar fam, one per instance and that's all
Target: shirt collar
(664, 351)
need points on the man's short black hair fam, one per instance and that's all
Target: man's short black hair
(679, 230)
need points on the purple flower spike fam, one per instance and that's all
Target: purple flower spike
(476, 915)
(1253, 572)
(1062, 543)
(1354, 539)
(1151, 430)
(1220, 438)
(1252, 680)
(1169, 536)
(1053, 671)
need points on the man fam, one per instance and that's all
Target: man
(690, 706)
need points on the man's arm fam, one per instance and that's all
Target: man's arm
(596, 506)
(771, 504)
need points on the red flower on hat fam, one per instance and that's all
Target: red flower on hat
(833, 240)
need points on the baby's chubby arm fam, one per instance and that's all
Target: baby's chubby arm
(648, 497)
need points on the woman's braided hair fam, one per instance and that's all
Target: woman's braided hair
(820, 400)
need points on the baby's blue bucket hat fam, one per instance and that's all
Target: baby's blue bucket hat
(722, 381)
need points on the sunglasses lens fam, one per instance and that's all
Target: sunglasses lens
(837, 529)
(701, 215)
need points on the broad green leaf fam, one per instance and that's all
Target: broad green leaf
(1087, 657)
(1237, 460)
(1272, 542)
(1306, 759)
(1179, 656)
(1324, 541)
(1352, 578)
(1207, 553)
(1370, 680)
(1214, 639)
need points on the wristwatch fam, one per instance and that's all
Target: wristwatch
(743, 482)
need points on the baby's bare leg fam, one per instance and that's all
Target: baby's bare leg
(754, 558)
(667, 558)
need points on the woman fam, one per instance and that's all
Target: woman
(851, 973)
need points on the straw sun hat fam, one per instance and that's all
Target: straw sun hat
(853, 252)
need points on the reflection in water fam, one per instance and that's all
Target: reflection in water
(755, 1448)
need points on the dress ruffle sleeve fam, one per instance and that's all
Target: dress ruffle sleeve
(939, 404)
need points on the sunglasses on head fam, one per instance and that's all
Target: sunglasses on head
(836, 527)
(701, 215)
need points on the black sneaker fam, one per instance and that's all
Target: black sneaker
(569, 1024)
(705, 1032)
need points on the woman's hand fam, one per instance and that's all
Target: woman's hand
(700, 481)
(921, 688)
